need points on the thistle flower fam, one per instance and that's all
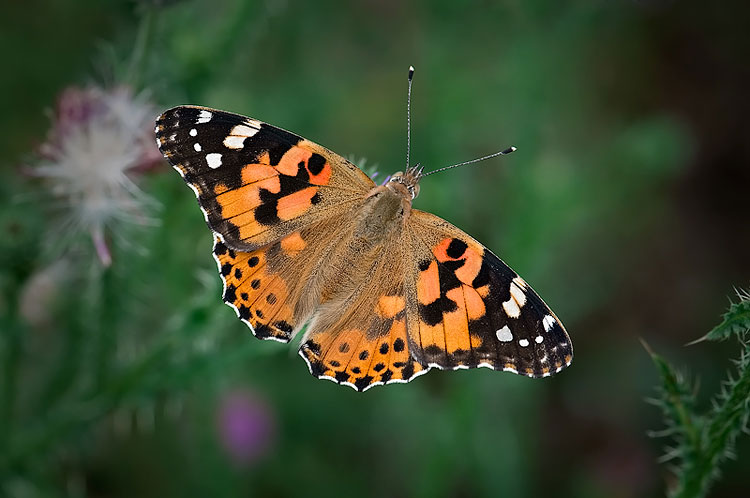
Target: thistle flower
(99, 143)
(245, 426)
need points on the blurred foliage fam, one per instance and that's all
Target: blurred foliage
(625, 207)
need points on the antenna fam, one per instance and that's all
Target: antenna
(408, 117)
(501, 153)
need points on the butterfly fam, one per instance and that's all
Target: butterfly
(304, 237)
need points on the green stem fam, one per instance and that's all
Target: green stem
(105, 333)
(10, 356)
(727, 422)
(145, 30)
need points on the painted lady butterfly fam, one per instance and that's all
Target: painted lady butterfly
(302, 235)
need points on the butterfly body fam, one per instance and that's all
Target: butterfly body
(303, 237)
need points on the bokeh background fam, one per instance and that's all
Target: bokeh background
(626, 207)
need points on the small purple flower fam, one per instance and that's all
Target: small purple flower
(369, 170)
(245, 426)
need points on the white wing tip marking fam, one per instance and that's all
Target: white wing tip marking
(204, 117)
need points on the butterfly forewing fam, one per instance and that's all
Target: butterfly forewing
(255, 182)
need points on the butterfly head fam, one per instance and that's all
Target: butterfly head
(407, 181)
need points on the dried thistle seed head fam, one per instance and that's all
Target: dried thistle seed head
(99, 143)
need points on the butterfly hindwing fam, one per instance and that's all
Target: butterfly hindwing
(255, 182)
(361, 340)
(269, 287)
(469, 309)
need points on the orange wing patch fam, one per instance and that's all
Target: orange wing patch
(246, 198)
(316, 166)
(293, 244)
(390, 306)
(294, 205)
(451, 249)
(449, 303)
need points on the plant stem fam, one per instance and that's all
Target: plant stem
(726, 423)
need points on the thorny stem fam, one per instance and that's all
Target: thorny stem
(706, 439)
(727, 422)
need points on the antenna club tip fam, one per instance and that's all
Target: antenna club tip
(509, 150)
(411, 72)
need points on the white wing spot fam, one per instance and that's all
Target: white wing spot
(504, 334)
(193, 132)
(523, 343)
(539, 339)
(197, 147)
(214, 160)
(245, 130)
(204, 117)
(236, 137)
(548, 323)
(511, 308)
(234, 142)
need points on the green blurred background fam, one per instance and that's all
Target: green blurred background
(626, 207)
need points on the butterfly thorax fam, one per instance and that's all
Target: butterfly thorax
(384, 210)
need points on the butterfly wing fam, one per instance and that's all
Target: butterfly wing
(256, 183)
(469, 309)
